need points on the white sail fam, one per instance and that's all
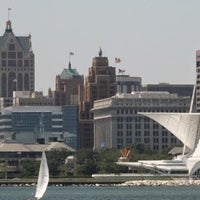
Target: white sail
(43, 177)
(185, 126)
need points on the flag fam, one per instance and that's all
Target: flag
(117, 60)
(121, 70)
(71, 53)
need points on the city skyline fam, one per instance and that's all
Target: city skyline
(155, 40)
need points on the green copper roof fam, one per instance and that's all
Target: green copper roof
(69, 73)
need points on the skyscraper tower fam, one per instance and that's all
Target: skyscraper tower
(17, 67)
(101, 81)
(99, 84)
(69, 87)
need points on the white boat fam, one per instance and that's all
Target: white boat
(43, 178)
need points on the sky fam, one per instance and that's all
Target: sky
(155, 39)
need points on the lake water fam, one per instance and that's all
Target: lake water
(104, 193)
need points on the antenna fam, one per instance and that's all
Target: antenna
(9, 9)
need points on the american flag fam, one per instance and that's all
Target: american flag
(117, 60)
(121, 70)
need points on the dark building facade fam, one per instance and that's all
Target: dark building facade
(179, 89)
(69, 87)
(128, 84)
(17, 67)
(99, 84)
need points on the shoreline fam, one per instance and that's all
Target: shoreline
(170, 183)
(101, 182)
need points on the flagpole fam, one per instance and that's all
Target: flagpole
(70, 54)
(9, 9)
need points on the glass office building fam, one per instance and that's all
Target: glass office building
(40, 124)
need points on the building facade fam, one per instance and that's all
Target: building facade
(69, 87)
(128, 84)
(99, 84)
(117, 122)
(40, 124)
(179, 89)
(17, 65)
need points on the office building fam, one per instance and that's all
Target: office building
(99, 84)
(128, 84)
(179, 89)
(69, 87)
(17, 66)
(40, 124)
(117, 122)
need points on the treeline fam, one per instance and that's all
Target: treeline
(88, 162)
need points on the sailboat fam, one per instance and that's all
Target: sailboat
(43, 178)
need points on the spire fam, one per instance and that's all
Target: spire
(8, 26)
(69, 65)
(100, 52)
(8, 23)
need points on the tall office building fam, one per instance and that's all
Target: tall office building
(69, 87)
(99, 84)
(101, 81)
(17, 68)
(198, 80)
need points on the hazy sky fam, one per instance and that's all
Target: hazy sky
(155, 39)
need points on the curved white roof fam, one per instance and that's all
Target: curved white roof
(185, 126)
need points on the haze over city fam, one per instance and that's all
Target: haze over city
(156, 40)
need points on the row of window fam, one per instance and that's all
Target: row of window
(14, 63)
(11, 55)
(128, 111)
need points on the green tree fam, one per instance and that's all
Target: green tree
(30, 168)
(56, 160)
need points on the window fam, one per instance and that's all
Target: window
(19, 54)
(12, 55)
(155, 140)
(120, 126)
(26, 63)
(128, 140)
(138, 126)
(3, 63)
(19, 62)
(128, 126)
(12, 63)
(119, 133)
(3, 54)
(146, 140)
(11, 47)
(146, 126)
(129, 133)
(137, 133)
(146, 133)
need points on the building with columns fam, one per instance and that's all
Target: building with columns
(17, 67)
(117, 122)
